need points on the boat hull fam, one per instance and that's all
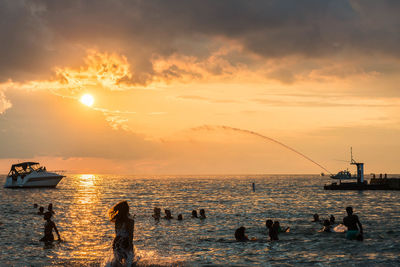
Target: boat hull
(359, 186)
(34, 180)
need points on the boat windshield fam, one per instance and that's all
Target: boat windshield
(24, 168)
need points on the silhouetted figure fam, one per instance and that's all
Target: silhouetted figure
(280, 229)
(194, 214)
(41, 211)
(123, 241)
(50, 208)
(327, 227)
(49, 225)
(332, 220)
(240, 234)
(316, 218)
(168, 215)
(272, 232)
(202, 214)
(157, 214)
(354, 227)
(180, 218)
(35, 206)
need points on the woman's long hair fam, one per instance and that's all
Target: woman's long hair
(119, 211)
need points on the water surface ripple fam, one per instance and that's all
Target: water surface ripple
(82, 201)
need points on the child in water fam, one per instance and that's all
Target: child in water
(49, 225)
(123, 241)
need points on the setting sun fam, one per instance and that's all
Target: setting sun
(87, 100)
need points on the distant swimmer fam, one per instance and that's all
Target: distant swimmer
(202, 214)
(41, 211)
(50, 208)
(168, 215)
(332, 220)
(194, 214)
(35, 206)
(327, 227)
(48, 229)
(280, 229)
(240, 234)
(157, 214)
(180, 217)
(272, 232)
(316, 218)
(354, 227)
(123, 241)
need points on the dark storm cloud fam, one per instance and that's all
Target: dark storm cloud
(36, 35)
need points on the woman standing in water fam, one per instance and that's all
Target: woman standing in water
(123, 241)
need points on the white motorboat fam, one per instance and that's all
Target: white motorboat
(31, 174)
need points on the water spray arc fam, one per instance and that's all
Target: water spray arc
(228, 128)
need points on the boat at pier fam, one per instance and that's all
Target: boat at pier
(381, 183)
(31, 174)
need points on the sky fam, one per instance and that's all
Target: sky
(193, 87)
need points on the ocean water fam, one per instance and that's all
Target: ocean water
(81, 203)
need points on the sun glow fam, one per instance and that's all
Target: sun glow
(87, 100)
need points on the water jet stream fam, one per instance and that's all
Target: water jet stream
(228, 128)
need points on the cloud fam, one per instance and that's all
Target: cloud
(40, 34)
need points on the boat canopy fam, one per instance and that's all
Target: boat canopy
(24, 167)
(342, 175)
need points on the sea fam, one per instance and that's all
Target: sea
(81, 203)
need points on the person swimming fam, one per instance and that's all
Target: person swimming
(353, 224)
(124, 227)
(157, 214)
(327, 227)
(41, 211)
(332, 219)
(180, 217)
(50, 208)
(316, 218)
(35, 206)
(49, 225)
(168, 215)
(194, 214)
(280, 229)
(240, 234)
(202, 214)
(273, 231)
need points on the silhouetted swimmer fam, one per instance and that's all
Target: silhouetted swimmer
(194, 214)
(157, 214)
(35, 206)
(50, 208)
(272, 231)
(316, 218)
(327, 227)
(332, 220)
(240, 234)
(180, 218)
(280, 229)
(49, 225)
(124, 228)
(354, 227)
(202, 214)
(168, 215)
(41, 211)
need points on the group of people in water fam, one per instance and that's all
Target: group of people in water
(168, 215)
(49, 225)
(124, 225)
(351, 222)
